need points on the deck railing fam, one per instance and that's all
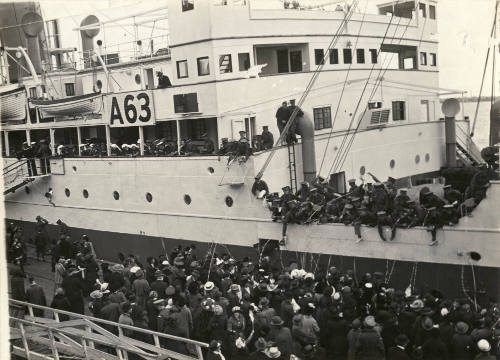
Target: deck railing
(88, 336)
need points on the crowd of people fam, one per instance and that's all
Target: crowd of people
(260, 310)
(377, 203)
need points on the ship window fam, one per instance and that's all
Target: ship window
(427, 157)
(116, 195)
(203, 66)
(33, 94)
(182, 69)
(392, 163)
(398, 110)
(334, 56)
(67, 192)
(229, 201)
(187, 199)
(374, 105)
(74, 168)
(85, 193)
(347, 56)
(187, 5)
(70, 89)
(360, 56)
(432, 12)
(322, 118)
(185, 103)
(423, 10)
(225, 64)
(319, 55)
(417, 159)
(423, 58)
(98, 84)
(374, 55)
(362, 170)
(295, 61)
(149, 197)
(432, 59)
(211, 170)
(244, 61)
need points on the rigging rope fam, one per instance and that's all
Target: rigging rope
(315, 75)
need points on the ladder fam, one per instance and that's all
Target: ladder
(16, 175)
(291, 166)
(465, 155)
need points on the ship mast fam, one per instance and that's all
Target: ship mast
(495, 106)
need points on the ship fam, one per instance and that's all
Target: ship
(366, 97)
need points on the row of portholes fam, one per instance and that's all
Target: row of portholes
(149, 197)
(392, 163)
(210, 169)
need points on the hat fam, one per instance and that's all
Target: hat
(276, 321)
(403, 190)
(461, 327)
(209, 286)
(483, 345)
(165, 262)
(139, 273)
(260, 344)
(368, 285)
(417, 304)
(444, 311)
(401, 340)
(178, 261)
(234, 287)
(207, 304)
(427, 323)
(170, 290)
(370, 321)
(236, 309)
(377, 184)
(380, 213)
(104, 288)
(214, 345)
(134, 269)
(96, 294)
(352, 181)
(264, 302)
(427, 311)
(285, 188)
(273, 352)
(391, 179)
(309, 276)
(158, 273)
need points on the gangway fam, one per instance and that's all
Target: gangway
(80, 336)
(21, 173)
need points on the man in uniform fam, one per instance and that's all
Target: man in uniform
(243, 145)
(433, 222)
(451, 195)
(316, 197)
(267, 138)
(28, 152)
(356, 191)
(400, 203)
(285, 199)
(380, 199)
(289, 217)
(282, 116)
(163, 80)
(449, 215)
(304, 191)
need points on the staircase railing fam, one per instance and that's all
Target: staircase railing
(466, 142)
(88, 337)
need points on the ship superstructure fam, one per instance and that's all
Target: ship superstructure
(375, 107)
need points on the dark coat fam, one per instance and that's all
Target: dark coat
(369, 345)
(36, 295)
(61, 302)
(337, 345)
(17, 287)
(462, 347)
(396, 353)
(73, 289)
(283, 338)
(435, 349)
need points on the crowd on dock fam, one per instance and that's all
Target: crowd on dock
(261, 310)
(376, 203)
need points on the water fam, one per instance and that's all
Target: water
(482, 129)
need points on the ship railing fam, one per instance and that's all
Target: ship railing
(465, 140)
(87, 336)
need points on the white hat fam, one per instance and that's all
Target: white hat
(483, 345)
(444, 311)
(336, 296)
(165, 262)
(134, 269)
(309, 276)
(209, 286)
(368, 285)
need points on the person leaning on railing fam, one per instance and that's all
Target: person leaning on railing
(44, 153)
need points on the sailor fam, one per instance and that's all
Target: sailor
(243, 145)
(452, 195)
(282, 116)
(208, 147)
(285, 199)
(429, 200)
(384, 219)
(28, 152)
(416, 213)
(449, 215)
(163, 80)
(316, 197)
(354, 190)
(432, 221)
(289, 217)
(400, 202)
(380, 199)
(44, 153)
(267, 138)
(304, 211)
(349, 214)
(304, 191)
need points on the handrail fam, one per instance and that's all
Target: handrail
(107, 322)
(19, 164)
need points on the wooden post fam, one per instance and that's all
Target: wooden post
(6, 142)
(52, 140)
(84, 344)
(199, 352)
(56, 316)
(30, 310)
(79, 139)
(89, 330)
(25, 342)
(157, 340)
(53, 345)
(108, 140)
(177, 123)
(28, 137)
(141, 140)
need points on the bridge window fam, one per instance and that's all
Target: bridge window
(185, 103)
(319, 55)
(33, 94)
(432, 12)
(203, 66)
(225, 64)
(334, 56)
(244, 61)
(374, 55)
(70, 89)
(322, 118)
(433, 59)
(423, 58)
(182, 69)
(398, 110)
(347, 56)
(187, 5)
(423, 10)
(374, 105)
(360, 56)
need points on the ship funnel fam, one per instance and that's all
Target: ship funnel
(305, 129)
(91, 29)
(450, 108)
(32, 26)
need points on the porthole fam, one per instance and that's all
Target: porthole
(187, 199)
(74, 168)
(67, 192)
(116, 195)
(98, 84)
(392, 163)
(475, 255)
(27, 189)
(229, 201)
(417, 159)
(149, 197)
(362, 170)
(427, 157)
(85, 193)
(211, 170)
(137, 79)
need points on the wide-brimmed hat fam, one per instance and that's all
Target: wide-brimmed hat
(417, 304)
(134, 269)
(96, 294)
(272, 352)
(260, 344)
(234, 288)
(401, 340)
(276, 320)
(370, 321)
(170, 290)
(139, 273)
(483, 345)
(461, 327)
(236, 309)
(209, 286)
(207, 304)
(117, 268)
(427, 311)
(427, 323)
(264, 301)
(214, 345)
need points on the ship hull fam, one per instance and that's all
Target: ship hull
(451, 279)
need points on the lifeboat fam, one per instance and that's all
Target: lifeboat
(13, 106)
(70, 106)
